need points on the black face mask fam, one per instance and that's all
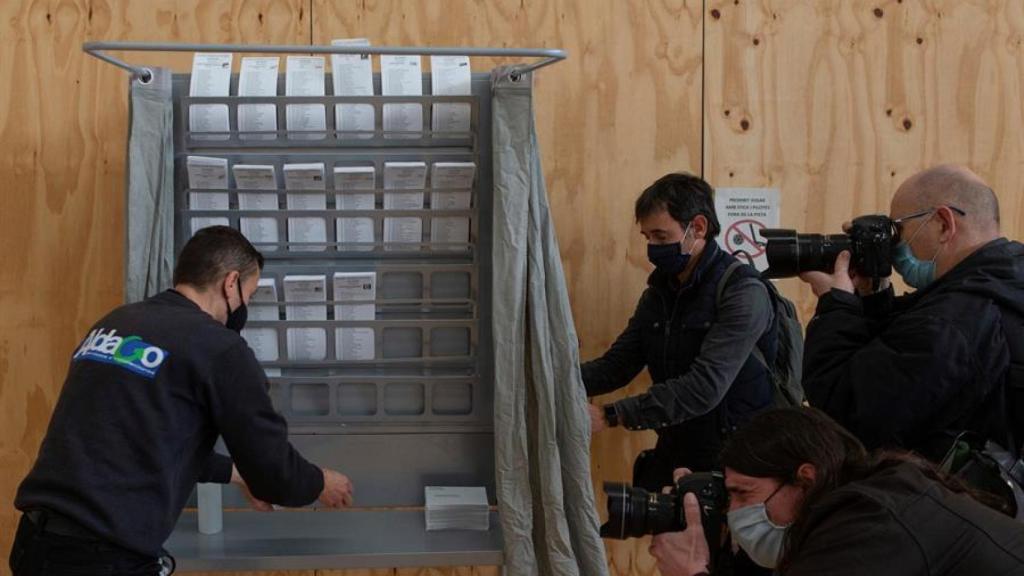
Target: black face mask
(238, 316)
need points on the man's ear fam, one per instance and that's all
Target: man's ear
(806, 475)
(230, 279)
(949, 223)
(699, 225)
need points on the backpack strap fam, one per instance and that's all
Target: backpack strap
(722, 282)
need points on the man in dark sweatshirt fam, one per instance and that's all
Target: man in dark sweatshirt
(914, 371)
(147, 393)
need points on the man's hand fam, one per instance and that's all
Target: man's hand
(683, 553)
(254, 502)
(822, 283)
(597, 419)
(337, 490)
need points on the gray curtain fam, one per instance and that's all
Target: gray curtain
(542, 428)
(149, 206)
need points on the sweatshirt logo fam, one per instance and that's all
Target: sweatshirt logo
(128, 352)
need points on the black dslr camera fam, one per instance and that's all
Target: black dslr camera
(635, 512)
(870, 242)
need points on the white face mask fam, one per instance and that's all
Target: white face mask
(756, 534)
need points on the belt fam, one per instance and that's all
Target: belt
(52, 522)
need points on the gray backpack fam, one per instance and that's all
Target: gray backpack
(787, 365)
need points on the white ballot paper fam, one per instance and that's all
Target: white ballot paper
(211, 76)
(452, 185)
(306, 228)
(200, 222)
(404, 176)
(450, 230)
(450, 76)
(305, 77)
(207, 173)
(456, 508)
(306, 343)
(263, 340)
(257, 177)
(401, 76)
(353, 76)
(258, 77)
(355, 229)
(354, 295)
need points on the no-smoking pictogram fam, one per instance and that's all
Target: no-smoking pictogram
(743, 236)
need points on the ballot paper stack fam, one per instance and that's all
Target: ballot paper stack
(457, 508)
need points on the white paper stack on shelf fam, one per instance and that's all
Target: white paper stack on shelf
(257, 177)
(258, 77)
(452, 185)
(402, 76)
(404, 176)
(355, 228)
(355, 294)
(457, 508)
(305, 77)
(353, 76)
(306, 228)
(211, 76)
(207, 173)
(263, 340)
(450, 76)
(308, 343)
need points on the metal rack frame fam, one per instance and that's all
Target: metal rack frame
(390, 456)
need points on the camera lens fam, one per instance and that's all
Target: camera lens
(634, 512)
(790, 253)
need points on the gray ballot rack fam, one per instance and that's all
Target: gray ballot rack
(416, 410)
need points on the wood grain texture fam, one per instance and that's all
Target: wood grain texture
(836, 103)
(623, 110)
(63, 125)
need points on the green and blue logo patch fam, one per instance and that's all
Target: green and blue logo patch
(128, 352)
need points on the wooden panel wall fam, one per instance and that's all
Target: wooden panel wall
(63, 122)
(833, 101)
(837, 103)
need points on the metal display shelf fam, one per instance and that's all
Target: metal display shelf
(296, 540)
(420, 412)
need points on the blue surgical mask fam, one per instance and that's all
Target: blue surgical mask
(669, 258)
(915, 272)
(756, 534)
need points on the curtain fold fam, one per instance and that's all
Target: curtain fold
(542, 427)
(149, 206)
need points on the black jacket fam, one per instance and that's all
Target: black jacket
(907, 372)
(899, 522)
(695, 399)
(146, 395)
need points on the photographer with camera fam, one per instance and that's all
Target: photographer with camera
(805, 497)
(706, 381)
(917, 371)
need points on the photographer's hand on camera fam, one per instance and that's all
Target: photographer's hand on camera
(822, 282)
(683, 553)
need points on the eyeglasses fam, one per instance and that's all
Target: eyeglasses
(899, 221)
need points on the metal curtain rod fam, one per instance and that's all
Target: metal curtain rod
(546, 56)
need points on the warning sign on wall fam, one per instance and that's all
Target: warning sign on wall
(743, 213)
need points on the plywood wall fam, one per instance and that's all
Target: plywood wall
(837, 103)
(833, 101)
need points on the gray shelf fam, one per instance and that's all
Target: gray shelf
(295, 540)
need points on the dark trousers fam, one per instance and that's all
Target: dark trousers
(41, 550)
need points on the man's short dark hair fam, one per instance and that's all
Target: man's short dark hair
(213, 252)
(683, 196)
